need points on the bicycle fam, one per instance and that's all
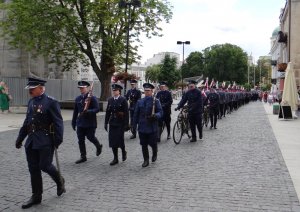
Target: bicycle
(181, 126)
(205, 116)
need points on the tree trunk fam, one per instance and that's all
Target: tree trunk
(105, 85)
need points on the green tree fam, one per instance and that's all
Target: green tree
(226, 62)
(90, 32)
(264, 67)
(168, 71)
(194, 65)
(152, 73)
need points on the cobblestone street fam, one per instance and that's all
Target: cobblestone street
(238, 167)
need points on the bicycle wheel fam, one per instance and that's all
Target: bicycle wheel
(177, 132)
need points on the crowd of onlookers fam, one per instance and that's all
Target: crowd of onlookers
(5, 98)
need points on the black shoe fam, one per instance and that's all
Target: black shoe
(146, 163)
(61, 188)
(200, 137)
(124, 156)
(154, 157)
(211, 127)
(34, 200)
(169, 137)
(81, 160)
(99, 150)
(215, 128)
(193, 140)
(114, 162)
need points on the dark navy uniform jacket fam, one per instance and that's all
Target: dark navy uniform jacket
(213, 99)
(117, 112)
(133, 95)
(194, 99)
(166, 100)
(42, 112)
(87, 119)
(143, 109)
(222, 97)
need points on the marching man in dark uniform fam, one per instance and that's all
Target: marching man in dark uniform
(213, 101)
(147, 113)
(43, 118)
(85, 120)
(165, 98)
(195, 108)
(133, 95)
(118, 119)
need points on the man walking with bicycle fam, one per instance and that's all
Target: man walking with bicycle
(195, 108)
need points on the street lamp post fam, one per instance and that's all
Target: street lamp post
(127, 4)
(182, 43)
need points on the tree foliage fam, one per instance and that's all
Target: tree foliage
(152, 73)
(226, 62)
(90, 32)
(223, 62)
(168, 71)
(194, 65)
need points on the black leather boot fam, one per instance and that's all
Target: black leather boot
(82, 153)
(98, 146)
(154, 153)
(60, 182)
(193, 139)
(34, 200)
(145, 155)
(115, 160)
(37, 190)
(124, 154)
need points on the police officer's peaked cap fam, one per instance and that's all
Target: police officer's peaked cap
(133, 81)
(163, 83)
(83, 84)
(116, 87)
(148, 85)
(192, 82)
(34, 82)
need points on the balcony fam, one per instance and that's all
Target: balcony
(282, 37)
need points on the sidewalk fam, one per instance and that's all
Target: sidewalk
(287, 133)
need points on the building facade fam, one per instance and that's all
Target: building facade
(285, 44)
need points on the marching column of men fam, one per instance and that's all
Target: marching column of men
(43, 125)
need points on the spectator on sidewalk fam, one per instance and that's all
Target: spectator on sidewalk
(4, 98)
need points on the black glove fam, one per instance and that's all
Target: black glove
(105, 127)
(18, 144)
(74, 127)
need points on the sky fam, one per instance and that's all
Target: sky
(246, 23)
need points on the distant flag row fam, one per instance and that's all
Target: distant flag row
(216, 84)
